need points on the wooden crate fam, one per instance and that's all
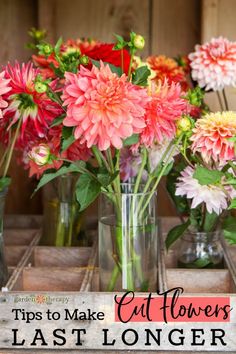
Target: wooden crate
(43, 268)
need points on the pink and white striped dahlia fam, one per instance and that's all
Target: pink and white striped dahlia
(213, 196)
(4, 88)
(162, 111)
(214, 64)
(104, 108)
(211, 136)
(25, 102)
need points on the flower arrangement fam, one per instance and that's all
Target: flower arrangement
(97, 110)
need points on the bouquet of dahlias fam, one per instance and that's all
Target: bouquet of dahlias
(205, 187)
(129, 131)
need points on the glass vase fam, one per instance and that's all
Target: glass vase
(3, 264)
(62, 219)
(127, 241)
(200, 250)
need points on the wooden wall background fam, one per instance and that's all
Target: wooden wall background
(170, 27)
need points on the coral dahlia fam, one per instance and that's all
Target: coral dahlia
(164, 108)
(25, 102)
(211, 136)
(214, 64)
(4, 88)
(104, 108)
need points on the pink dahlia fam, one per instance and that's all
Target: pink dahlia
(211, 136)
(164, 108)
(213, 196)
(24, 101)
(214, 64)
(104, 108)
(4, 88)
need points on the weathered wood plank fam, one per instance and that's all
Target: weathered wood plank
(175, 26)
(95, 19)
(61, 256)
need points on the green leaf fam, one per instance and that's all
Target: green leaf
(232, 204)
(87, 190)
(67, 137)
(4, 183)
(175, 233)
(181, 202)
(229, 229)
(48, 177)
(140, 76)
(58, 45)
(105, 178)
(131, 140)
(205, 176)
(201, 262)
(114, 69)
(233, 139)
(57, 121)
(210, 221)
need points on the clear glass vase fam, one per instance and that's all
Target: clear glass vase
(200, 250)
(127, 241)
(62, 219)
(3, 264)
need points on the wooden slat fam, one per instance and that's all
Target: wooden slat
(52, 279)
(199, 281)
(61, 256)
(96, 19)
(18, 237)
(175, 26)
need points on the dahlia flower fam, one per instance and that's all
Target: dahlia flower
(167, 69)
(211, 136)
(129, 164)
(52, 142)
(164, 108)
(214, 64)
(104, 108)
(214, 197)
(156, 153)
(4, 88)
(24, 101)
(40, 154)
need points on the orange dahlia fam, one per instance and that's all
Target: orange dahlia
(211, 136)
(167, 68)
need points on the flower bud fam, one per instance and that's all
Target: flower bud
(84, 60)
(139, 41)
(40, 87)
(47, 49)
(40, 154)
(184, 124)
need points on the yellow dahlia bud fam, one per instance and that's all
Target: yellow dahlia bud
(139, 41)
(184, 124)
(40, 154)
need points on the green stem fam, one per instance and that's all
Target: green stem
(160, 175)
(130, 64)
(122, 59)
(140, 174)
(225, 100)
(100, 158)
(220, 100)
(10, 152)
